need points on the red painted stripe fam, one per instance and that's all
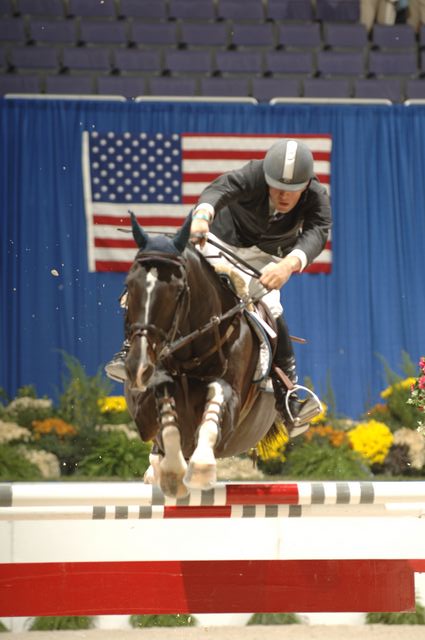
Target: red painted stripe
(418, 565)
(146, 221)
(114, 243)
(237, 154)
(262, 494)
(319, 267)
(217, 586)
(112, 265)
(210, 176)
(198, 512)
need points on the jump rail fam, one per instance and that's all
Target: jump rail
(122, 500)
(104, 548)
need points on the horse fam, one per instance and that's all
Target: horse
(191, 364)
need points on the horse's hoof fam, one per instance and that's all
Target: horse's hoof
(172, 485)
(149, 476)
(200, 476)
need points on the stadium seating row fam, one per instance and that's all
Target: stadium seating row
(306, 35)
(263, 89)
(254, 10)
(219, 62)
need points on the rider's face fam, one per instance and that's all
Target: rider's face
(284, 201)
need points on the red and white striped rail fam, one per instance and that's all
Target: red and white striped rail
(122, 548)
(97, 501)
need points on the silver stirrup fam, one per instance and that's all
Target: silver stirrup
(311, 408)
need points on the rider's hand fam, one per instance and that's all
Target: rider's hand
(199, 230)
(276, 274)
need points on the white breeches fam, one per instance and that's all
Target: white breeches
(256, 258)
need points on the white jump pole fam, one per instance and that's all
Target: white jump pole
(122, 548)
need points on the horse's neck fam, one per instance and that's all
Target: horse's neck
(208, 295)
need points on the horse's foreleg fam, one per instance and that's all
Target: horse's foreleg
(172, 467)
(152, 473)
(201, 472)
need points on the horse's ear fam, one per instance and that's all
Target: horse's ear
(182, 236)
(138, 234)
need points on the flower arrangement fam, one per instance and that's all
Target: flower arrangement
(372, 440)
(56, 426)
(112, 404)
(417, 394)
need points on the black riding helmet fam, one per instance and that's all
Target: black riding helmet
(288, 165)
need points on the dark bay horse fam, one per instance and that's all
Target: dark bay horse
(191, 363)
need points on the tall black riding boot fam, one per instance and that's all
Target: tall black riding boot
(296, 413)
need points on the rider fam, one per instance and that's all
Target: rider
(274, 214)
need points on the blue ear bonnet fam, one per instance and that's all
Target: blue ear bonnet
(161, 243)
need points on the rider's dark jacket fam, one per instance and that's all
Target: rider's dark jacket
(241, 202)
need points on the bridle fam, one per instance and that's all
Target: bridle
(169, 341)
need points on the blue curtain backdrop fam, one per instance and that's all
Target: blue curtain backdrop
(371, 306)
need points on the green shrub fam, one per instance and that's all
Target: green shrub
(61, 623)
(15, 467)
(114, 454)
(412, 617)
(274, 619)
(325, 462)
(177, 620)
(79, 402)
(3, 627)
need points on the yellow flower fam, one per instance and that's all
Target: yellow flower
(273, 448)
(398, 386)
(372, 440)
(112, 404)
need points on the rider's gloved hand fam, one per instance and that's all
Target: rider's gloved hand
(200, 226)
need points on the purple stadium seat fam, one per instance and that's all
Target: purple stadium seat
(300, 36)
(248, 10)
(132, 60)
(343, 63)
(392, 63)
(103, 32)
(204, 34)
(239, 62)
(287, 62)
(53, 8)
(264, 89)
(127, 86)
(189, 10)
(253, 35)
(64, 84)
(338, 10)
(10, 83)
(35, 58)
(327, 88)
(395, 36)
(164, 34)
(92, 8)
(301, 10)
(147, 9)
(6, 8)
(415, 89)
(12, 30)
(173, 86)
(337, 35)
(225, 87)
(177, 61)
(77, 58)
(382, 88)
(53, 30)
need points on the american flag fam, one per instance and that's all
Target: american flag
(159, 177)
